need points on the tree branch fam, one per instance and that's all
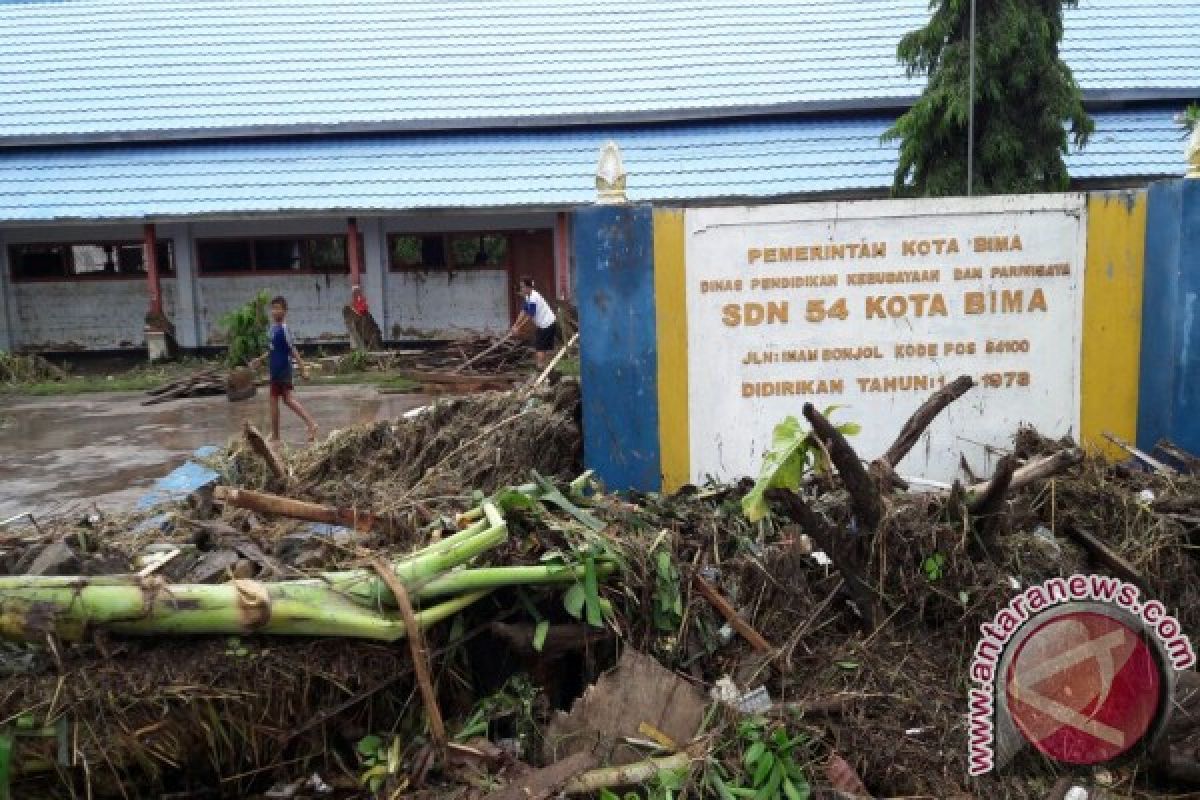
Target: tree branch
(864, 495)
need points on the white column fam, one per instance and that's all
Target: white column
(375, 263)
(8, 336)
(187, 314)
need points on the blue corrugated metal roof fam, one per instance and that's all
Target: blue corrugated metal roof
(695, 161)
(87, 67)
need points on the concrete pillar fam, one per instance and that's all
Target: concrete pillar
(187, 310)
(1169, 389)
(614, 257)
(8, 336)
(374, 282)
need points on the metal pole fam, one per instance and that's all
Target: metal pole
(971, 109)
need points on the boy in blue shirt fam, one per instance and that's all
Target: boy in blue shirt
(281, 349)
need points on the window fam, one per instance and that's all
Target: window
(272, 254)
(85, 261)
(436, 251)
(483, 250)
(418, 251)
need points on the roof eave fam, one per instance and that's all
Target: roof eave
(1101, 98)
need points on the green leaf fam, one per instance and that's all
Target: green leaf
(673, 779)
(771, 790)
(849, 428)
(754, 753)
(369, 745)
(847, 665)
(512, 500)
(714, 781)
(552, 496)
(573, 600)
(794, 792)
(763, 768)
(783, 467)
(591, 592)
(539, 635)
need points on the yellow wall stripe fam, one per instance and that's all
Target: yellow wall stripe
(670, 301)
(1112, 318)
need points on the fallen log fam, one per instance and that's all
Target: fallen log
(547, 781)
(987, 508)
(923, 416)
(864, 495)
(266, 452)
(731, 616)
(828, 540)
(883, 469)
(632, 774)
(296, 509)
(1036, 470)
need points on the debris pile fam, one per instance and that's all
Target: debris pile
(202, 383)
(808, 635)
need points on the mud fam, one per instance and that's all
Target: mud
(60, 452)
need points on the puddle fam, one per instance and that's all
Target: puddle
(63, 452)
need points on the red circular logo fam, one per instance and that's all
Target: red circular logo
(1083, 688)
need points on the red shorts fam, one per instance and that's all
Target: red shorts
(280, 388)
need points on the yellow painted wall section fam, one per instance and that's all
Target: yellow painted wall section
(1112, 318)
(671, 314)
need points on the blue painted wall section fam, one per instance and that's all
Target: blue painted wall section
(614, 265)
(1169, 387)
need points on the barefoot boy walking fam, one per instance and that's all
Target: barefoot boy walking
(281, 349)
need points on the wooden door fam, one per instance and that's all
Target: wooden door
(532, 255)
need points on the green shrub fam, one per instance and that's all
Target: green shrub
(245, 330)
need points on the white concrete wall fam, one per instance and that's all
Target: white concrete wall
(315, 303)
(446, 304)
(84, 315)
(97, 314)
(437, 303)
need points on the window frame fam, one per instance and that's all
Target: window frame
(253, 270)
(449, 266)
(71, 276)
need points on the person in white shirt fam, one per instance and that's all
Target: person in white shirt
(535, 309)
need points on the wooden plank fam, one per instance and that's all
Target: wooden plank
(1107, 556)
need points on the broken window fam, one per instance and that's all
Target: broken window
(85, 260)
(433, 251)
(272, 254)
(486, 250)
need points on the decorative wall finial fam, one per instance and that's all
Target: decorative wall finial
(610, 175)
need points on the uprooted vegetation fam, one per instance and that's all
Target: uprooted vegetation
(864, 670)
(19, 368)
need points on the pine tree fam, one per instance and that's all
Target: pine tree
(1024, 98)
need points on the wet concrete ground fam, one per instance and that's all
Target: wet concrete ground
(64, 453)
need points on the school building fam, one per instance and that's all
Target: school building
(183, 154)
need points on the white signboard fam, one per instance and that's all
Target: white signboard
(871, 306)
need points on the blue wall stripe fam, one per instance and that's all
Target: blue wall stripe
(1169, 385)
(614, 264)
